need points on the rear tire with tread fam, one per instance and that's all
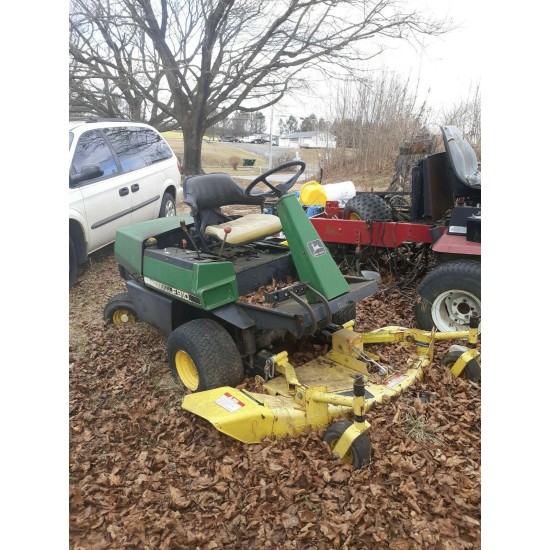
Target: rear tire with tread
(212, 352)
(367, 207)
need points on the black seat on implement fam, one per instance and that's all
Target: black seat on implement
(466, 178)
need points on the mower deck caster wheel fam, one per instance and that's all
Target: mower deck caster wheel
(472, 370)
(120, 310)
(360, 452)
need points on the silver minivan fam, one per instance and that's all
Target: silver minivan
(120, 173)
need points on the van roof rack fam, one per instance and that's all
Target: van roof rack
(97, 119)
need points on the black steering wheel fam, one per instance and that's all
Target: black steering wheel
(276, 190)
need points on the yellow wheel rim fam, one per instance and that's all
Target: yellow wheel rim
(187, 371)
(123, 317)
(354, 216)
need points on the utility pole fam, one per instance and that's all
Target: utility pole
(271, 139)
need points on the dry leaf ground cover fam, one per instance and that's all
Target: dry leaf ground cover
(144, 473)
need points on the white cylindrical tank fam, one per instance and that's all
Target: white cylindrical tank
(313, 193)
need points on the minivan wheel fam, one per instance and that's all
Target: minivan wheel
(73, 263)
(167, 206)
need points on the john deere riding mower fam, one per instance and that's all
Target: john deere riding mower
(187, 276)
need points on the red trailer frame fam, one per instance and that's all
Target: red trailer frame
(333, 229)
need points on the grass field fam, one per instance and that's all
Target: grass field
(216, 155)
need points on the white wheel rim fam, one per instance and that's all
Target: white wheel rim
(170, 209)
(452, 310)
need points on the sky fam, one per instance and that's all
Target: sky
(446, 67)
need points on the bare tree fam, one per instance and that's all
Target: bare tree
(191, 63)
(371, 117)
(466, 115)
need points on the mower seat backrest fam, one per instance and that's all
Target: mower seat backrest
(206, 194)
(463, 162)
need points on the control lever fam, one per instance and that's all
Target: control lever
(190, 237)
(226, 230)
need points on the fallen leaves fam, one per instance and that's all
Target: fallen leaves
(146, 474)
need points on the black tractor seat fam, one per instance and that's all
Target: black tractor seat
(207, 193)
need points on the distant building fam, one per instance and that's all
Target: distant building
(313, 140)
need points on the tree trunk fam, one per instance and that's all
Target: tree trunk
(192, 149)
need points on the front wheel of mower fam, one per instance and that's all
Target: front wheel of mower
(360, 452)
(203, 356)
(472, 370)
(120, 310)
(343, 316)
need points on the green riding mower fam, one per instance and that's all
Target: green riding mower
(188, 276)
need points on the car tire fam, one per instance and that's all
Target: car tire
(167, 206)
(73, 263)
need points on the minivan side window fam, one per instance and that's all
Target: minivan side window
(137, 147)
(157, 148)
(93, 149)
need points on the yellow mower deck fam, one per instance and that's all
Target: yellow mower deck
(318, 392)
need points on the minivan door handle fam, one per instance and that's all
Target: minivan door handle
(135, 187)
(123, 192)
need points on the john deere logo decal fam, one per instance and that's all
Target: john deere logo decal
(316, 248)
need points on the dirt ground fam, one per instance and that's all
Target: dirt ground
(144, 473)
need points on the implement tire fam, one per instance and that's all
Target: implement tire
(448, 296)
(367, 207)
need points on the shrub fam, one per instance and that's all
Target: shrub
(287, 156)
(234, 162)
